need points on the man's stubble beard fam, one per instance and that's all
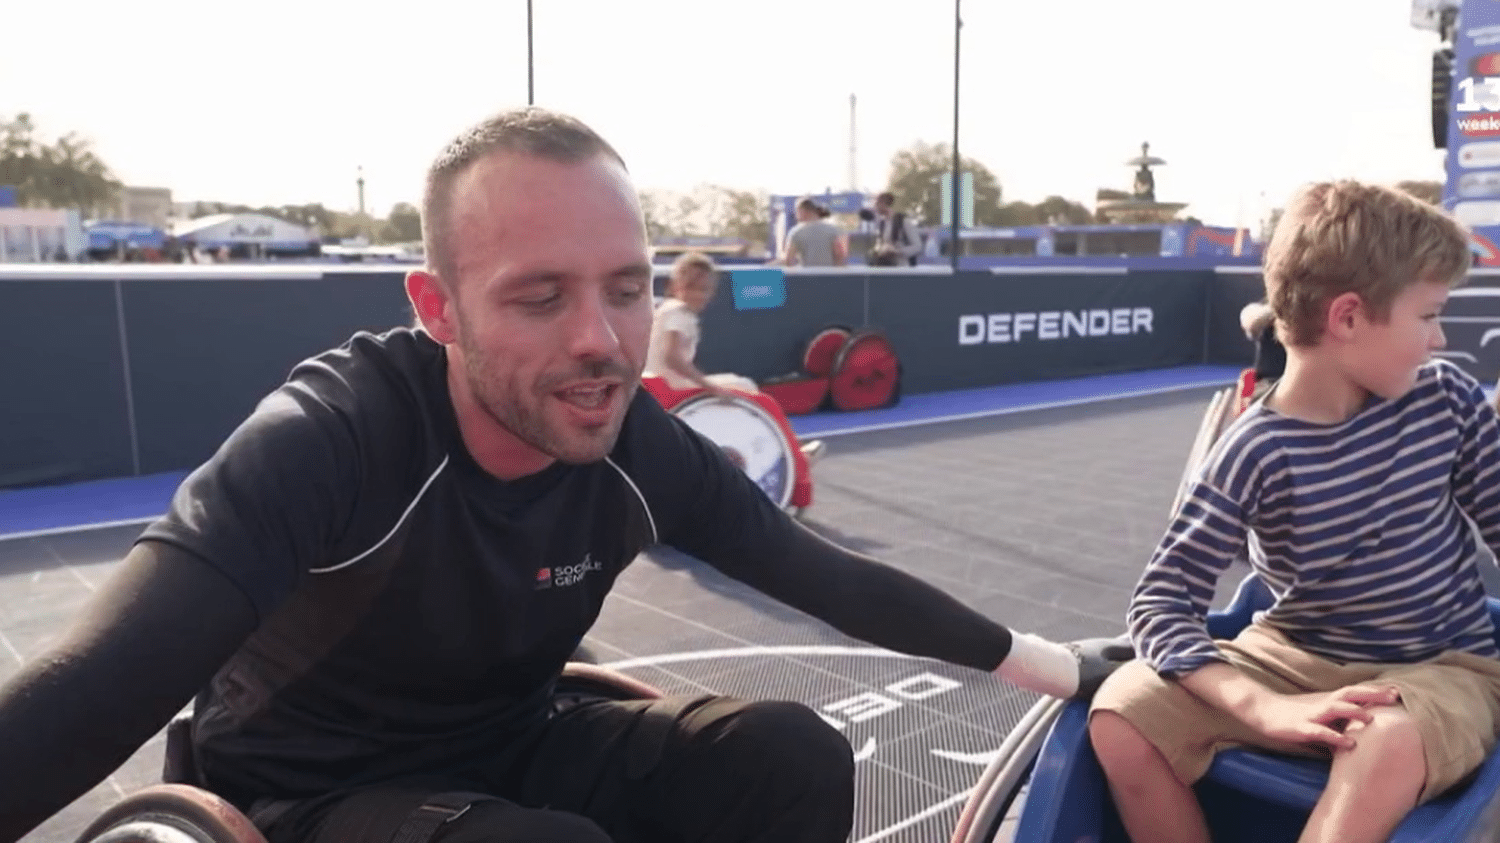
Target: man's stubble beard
(519, 411)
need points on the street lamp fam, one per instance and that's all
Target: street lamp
(530, 72)
(953, 191)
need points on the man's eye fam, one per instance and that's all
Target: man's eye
(542, 303)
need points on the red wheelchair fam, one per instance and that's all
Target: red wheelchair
(754, 432)
(180, 810)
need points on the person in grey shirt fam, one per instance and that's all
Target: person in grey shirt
(814, 241)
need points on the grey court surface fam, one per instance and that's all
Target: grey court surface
(1041, 520)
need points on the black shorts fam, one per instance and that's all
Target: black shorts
(702, 768)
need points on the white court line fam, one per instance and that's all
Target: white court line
(801, 650)
(1002, 411)
(77, 528)
(843, 431)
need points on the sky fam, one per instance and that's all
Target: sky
(280, 101)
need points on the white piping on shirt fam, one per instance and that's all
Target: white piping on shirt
(634, 488)
(399, 521)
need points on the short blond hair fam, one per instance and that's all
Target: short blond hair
(692, 260)
(1340, 237)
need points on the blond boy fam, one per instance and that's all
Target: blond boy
(675, 332)
(1350, 482)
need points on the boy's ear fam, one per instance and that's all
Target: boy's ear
(1344, 312)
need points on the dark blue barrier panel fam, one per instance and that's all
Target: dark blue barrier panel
(1230, 292)
(203, 352)
(763, 343)
(63, 412)
(980, 329)
(1471, 322)
(205, 344)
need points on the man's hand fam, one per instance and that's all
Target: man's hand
(1327, 718)
(1097, 659)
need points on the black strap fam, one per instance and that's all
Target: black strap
(440, 808)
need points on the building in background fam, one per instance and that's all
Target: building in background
(149, 206)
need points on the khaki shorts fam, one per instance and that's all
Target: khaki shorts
(1454, 700)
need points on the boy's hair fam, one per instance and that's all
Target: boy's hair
(1340, 237)
(692, 260)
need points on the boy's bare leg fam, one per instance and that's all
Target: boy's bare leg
(1153, 804)
(1373, 786)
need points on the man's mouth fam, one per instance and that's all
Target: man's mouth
(590, 398)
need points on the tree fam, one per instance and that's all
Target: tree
(1060, 211)
(915, 179)
(744, 214)
(405, 222)
(1014, 214)
(67, 174)
(651, 209)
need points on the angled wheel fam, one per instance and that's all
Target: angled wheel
(1005, 777)
(866, 374)
(818, 357)
(1220, 412)
(584, 678)
(582, 682)
(172, 813)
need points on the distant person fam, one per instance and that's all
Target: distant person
(675, 330)
(1259, 325)
(897, 241)
(814, 241)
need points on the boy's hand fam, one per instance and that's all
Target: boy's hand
(1326, 718)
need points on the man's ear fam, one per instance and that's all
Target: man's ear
(431, 301)
(1344, 313)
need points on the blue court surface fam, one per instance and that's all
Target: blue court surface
(132, 500)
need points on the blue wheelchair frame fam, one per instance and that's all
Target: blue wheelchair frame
(1247, 794)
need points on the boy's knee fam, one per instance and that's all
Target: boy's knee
(1393, 737)
(1118, 744)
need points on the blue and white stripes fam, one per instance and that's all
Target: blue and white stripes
(1359, 528)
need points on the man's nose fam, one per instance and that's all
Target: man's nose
(591, 334)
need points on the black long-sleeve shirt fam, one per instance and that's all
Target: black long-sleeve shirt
(351, 597)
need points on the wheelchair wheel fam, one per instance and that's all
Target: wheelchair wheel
(866, 374)
(172, 813)
(582, 682)
(584, 678)
(1216, 419)
(1002, 781)
(750, 436)
(818, 358)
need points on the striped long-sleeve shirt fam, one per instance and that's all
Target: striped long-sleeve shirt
(1358, 528)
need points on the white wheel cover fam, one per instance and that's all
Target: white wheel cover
(750, 437)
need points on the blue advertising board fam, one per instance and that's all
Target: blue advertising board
(1472, 189)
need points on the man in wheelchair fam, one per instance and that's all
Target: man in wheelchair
(373, 586)
(1351, 483)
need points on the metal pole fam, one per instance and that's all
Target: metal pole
(530, 71)
(954, 187)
